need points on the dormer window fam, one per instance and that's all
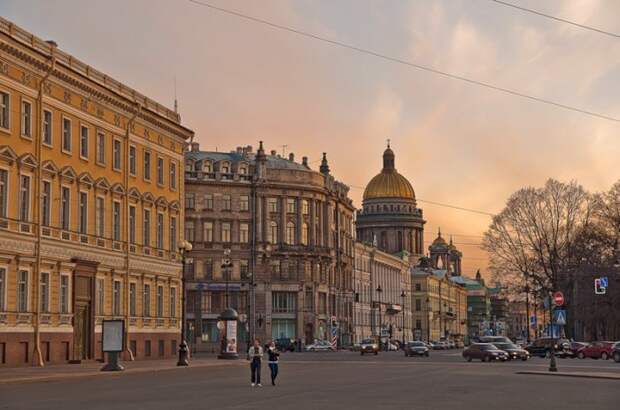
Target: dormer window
(243, 169)
(225, 168)
(207, 166)
(197, 166)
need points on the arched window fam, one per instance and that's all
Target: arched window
(207, 166)
(272, 232)
(290, 233)
(243, 169)
(197, 165)
(225, 168)
(304, 234)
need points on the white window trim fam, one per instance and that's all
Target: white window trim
(30, 196)
(8, 128)
(6, 287)
(80, 192)
(97, 216)
(69, 289)
(60, 220)
(135, 224)
(150, 219)
(51, 143)
(163, 230)
(135, 283)
(28, 289)
(150, 155)
(87, 128)
(120, 297)
(23, 100)
(120, 220)
(135, 171)
(51, 200)
(100, 133)
(8, 189)
(172, 290)
(62, 135)
(49, 291)
(120, 157)
(163, 171)
(173, 183)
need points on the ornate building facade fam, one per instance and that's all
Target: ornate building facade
(390, 218)
(382, 283)
(290, 233)
(90, 209)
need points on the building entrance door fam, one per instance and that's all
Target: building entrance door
(81, 331)
(84, 274)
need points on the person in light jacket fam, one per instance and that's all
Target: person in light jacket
(273, 356)
(255, 356)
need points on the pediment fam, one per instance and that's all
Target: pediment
(49, 167)
(7, 154)
(86, 179)
(118, 189)
(102, 184)
(27, 160)
(134, 193)
(68, 173)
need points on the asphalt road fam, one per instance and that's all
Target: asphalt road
(343, 380)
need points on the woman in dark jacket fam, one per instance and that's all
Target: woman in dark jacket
(273, 357)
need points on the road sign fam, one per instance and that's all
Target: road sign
(559, 317)
(532, 321)
(598, 289)
(558, 298)
(604, 282)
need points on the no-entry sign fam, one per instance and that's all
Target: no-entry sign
(558, 298)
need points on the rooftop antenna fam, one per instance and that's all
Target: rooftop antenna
(284, 147)
(176, 104)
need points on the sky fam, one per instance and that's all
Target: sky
(238, 82)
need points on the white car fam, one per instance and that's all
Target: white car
(319, 346)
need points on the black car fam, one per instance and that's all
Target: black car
(514, 351)
(285, 344)
(615, 353)
(542, 347)
(486, 352)
(416, 348)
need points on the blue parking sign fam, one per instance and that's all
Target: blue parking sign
(604, 282)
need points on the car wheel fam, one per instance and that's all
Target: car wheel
(581, 355)
(617, 357)
(486, 359)
(604, 356)
(468, 358)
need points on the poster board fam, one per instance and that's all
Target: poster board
(113, 335)
(231, 336)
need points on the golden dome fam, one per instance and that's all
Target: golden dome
(389, 183)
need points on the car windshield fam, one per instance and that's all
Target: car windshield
(506, 345)
(367, 342)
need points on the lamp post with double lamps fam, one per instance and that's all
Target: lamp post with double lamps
(184, 248)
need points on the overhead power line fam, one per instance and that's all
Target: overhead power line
(406, 63)
(549, 16)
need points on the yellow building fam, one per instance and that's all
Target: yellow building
(91, 207)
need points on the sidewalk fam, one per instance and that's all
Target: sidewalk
(93, 369)
(587, 375)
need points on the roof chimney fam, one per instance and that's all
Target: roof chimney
(52, 43)
(291, 157)
(195, 147)
(239, 150)
(304, 162)
(324, 168)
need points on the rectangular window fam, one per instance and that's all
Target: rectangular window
(418, 324)
(5, 110)
(160, 301)
(244, 269)
(290, 206)
(116, 155)
(116, 298)
(189, 231)
(132, 160)
(208, 271)
(4, 192)
(304, 207)
(22, 291)
(24, 198)
(272, 205)
(84, 142)
(284, 302)
(100, 148)
(418, 305)
(46, 203)
(116, 221)
(208, 232)
(100, 296)
(160, 171)
(189, 201)
(173, 233)
(83, 213)
(100, 216)
(146, 228)
(146, 303)
(26, 119)
(64, 294)
(160, 231)
(226, 206)
(44, 289)
(132, 299)
(147, 165)
(173, 302)
(209, 202)
(2, 289)
(244, 203)
(173, 175)
(47, 127)
(132, 224)
(322, 303)
(244, 233)
(66, 134)
(225, 231)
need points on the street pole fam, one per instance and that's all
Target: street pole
(403, 295)
(552, 364)
(183, 350)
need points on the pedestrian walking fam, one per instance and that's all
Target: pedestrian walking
(273, 357)
(255, 356)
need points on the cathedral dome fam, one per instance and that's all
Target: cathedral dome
(389, 183)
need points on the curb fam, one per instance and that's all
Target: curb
(607, 376)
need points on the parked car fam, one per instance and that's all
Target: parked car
(542, 347)
(285, 344)
(616, 352)
(514, 352)
(416, 348)
(574, 348)
(320, 346)
(486, 352)
(430, 345)
(597, 350)
(440, 345)
(392, 347)
(369, 346)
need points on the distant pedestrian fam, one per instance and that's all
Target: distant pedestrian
(273, 356)
(255, 355)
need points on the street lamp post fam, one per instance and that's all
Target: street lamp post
(380, 322)
(229, 318)
(184, 247)
(402, 296)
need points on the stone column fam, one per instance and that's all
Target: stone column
(258, 209)
(312, 225)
